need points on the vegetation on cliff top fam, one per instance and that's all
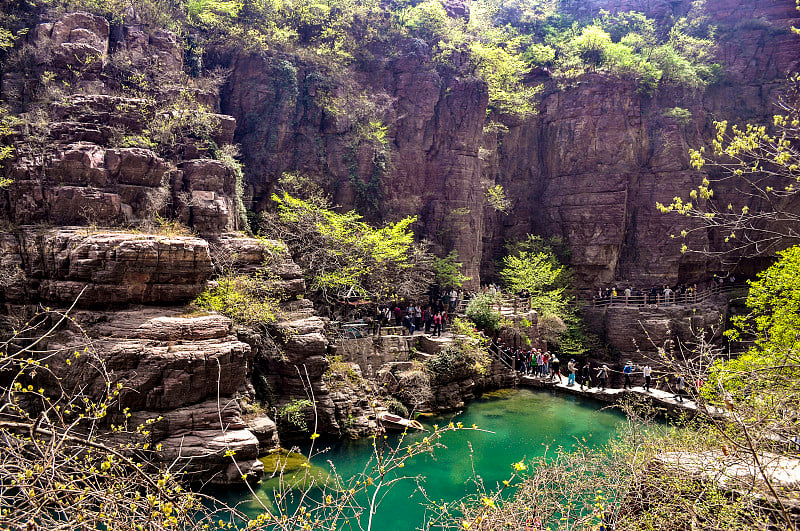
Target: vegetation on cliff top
(499, 42)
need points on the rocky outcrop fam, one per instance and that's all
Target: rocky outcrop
(424, 392)
(103, 268)
(179, 377)
(638, 334)
(78, 177)
(371, 353)
(78, 43)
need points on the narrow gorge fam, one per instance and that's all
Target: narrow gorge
(146, 154)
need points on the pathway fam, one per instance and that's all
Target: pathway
(658, 397)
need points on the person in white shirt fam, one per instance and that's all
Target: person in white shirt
(647, 371)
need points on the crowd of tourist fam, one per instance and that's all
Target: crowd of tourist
(433, 316)
(544, 365)
(659, 295)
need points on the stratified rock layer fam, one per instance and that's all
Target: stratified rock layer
(180, 372)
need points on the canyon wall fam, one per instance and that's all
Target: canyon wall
(592, 165)
(589, 167)
(431, 169)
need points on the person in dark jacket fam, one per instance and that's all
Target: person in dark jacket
(586, 376)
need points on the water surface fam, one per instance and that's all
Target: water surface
(521, 424)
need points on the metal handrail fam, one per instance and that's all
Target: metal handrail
(676, 299)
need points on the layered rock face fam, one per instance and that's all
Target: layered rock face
(592, 165)
(130, 234)
(184, 372)
(589, 167)
(73, 174)
(434, 125)
(101, 267)
(638, 334)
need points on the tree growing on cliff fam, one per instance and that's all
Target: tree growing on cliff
(7, 123)
(343, 258)
(761, 165)
(448, 271)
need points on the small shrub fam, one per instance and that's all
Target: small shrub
(340, 373)
(294, 413)
(498, 200)
(245, 299)
(396, 407)
(467, 355)
(679, 114)
(480, 312)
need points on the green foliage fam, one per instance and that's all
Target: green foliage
(396, 407)
(528, 15)
(540, 54)
(774, 325)
(497, 198)
(212, 13)
(344, 257)
(341, 374)
(679, 114)
(7, 126)
(428, 20)
(228, 156)
(294, 413)
(447, 271)
(591, 44)
(467, 355)
(6, 39)
(247, 300)
(541, 275)
(480, 311)
(624, 44)
(534, 264)
(499, 61)
(181, 118)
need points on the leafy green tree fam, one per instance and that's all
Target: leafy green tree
(448, 271)
(592, 44)
(757, 386)
(767, 376)
(536, 265)
(497, 199)
(480, 311)
(247, 300)
(343, 257)
(7, 124)
(540, 274)
(540, 54)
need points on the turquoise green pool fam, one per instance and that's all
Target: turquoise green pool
(521, 424)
